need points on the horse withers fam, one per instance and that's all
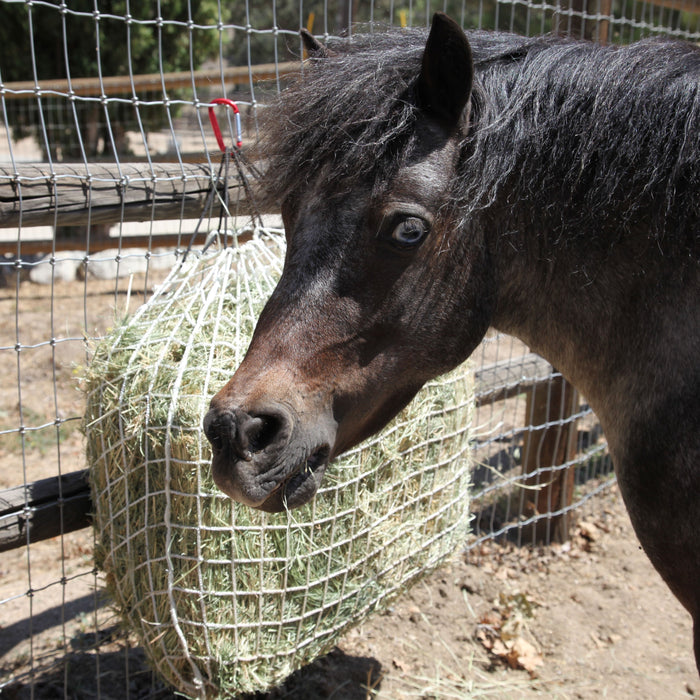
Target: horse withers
(434, 186)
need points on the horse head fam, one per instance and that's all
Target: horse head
(377, 294)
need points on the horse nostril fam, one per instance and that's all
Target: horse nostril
(242, 433)
(263, 431)
(259, 431)
(212, 430)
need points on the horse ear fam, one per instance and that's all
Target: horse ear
(314, 47)
(445, 80)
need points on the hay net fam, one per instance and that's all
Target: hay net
(225, 599)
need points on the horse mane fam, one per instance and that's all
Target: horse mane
(593, 138)
(350, 111)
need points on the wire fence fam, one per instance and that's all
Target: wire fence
(92, 100)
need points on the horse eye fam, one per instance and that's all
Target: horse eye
(409, 232)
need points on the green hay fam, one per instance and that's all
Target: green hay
(223, 598)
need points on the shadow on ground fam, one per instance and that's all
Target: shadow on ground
(114, 675)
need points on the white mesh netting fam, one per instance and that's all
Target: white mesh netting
(223, 598)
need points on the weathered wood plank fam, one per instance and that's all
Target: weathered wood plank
(148, 82)
(16, 498)
(44, 509)
(510, 377)
(45, 246)
(72, 195)
(544, 450)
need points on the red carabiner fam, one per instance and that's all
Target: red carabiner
(215, 123)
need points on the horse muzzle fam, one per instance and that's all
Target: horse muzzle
(267, 457)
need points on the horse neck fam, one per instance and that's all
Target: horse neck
(619, 323)
(594, 235)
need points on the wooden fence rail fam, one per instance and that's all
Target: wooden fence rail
(148, 82)
(71, 195)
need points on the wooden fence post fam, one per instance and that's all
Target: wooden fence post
(545, 449)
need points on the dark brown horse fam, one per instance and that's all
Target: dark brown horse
(433, 188)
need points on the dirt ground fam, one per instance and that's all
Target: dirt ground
(587, 619)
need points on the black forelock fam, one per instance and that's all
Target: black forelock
(352, 113)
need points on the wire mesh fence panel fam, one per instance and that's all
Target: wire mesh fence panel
(107, 159)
